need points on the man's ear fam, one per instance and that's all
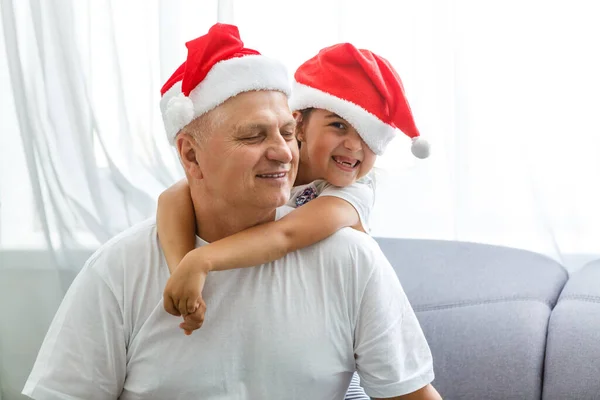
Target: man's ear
(188, 154)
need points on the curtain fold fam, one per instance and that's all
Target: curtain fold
(505, 93)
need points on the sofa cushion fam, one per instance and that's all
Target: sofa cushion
(572, 369)
(484, 310)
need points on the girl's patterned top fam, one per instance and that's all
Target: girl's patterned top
(360, 194)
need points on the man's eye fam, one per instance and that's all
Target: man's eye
(252, 138)
(288, 134)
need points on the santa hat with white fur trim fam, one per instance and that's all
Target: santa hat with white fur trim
(364, 89)
(218, 67)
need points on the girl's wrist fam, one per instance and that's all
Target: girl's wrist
(198, 261)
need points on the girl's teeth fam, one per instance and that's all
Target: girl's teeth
(346, 163)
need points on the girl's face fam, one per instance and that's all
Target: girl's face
(331, 149)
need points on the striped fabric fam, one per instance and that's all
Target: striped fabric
(355, 391)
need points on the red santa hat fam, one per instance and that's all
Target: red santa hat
(218, 67)
(364, 89)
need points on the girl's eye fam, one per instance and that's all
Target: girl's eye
(338, 125)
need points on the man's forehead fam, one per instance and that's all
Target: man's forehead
(257, 109)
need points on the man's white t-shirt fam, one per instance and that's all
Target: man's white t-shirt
(296, 328)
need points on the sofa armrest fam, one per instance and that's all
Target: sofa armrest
(572, 368)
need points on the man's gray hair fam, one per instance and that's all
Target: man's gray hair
(204, 126)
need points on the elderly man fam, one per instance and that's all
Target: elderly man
(295, 328)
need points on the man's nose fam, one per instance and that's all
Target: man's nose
(281, 150)
(353, 142)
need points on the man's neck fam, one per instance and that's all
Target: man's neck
(216, 221)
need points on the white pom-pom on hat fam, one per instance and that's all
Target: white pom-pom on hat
(420, 147)
(179, 112)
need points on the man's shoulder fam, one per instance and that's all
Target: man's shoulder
(352, 239)
(353, 246)
(129, 248)
(142, 234)
(344, 244)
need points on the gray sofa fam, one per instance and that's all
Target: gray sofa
(503, 323)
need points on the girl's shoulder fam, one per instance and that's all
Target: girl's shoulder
(368, 179)
(302, 194)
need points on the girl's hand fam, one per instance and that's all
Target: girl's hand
(183, 293)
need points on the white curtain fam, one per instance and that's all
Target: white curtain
(506, 92)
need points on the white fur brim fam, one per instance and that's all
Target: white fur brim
(225, 80)
(376, 133)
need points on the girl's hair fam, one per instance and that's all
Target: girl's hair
(305, 115)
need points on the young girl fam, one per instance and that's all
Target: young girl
(348, 104)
